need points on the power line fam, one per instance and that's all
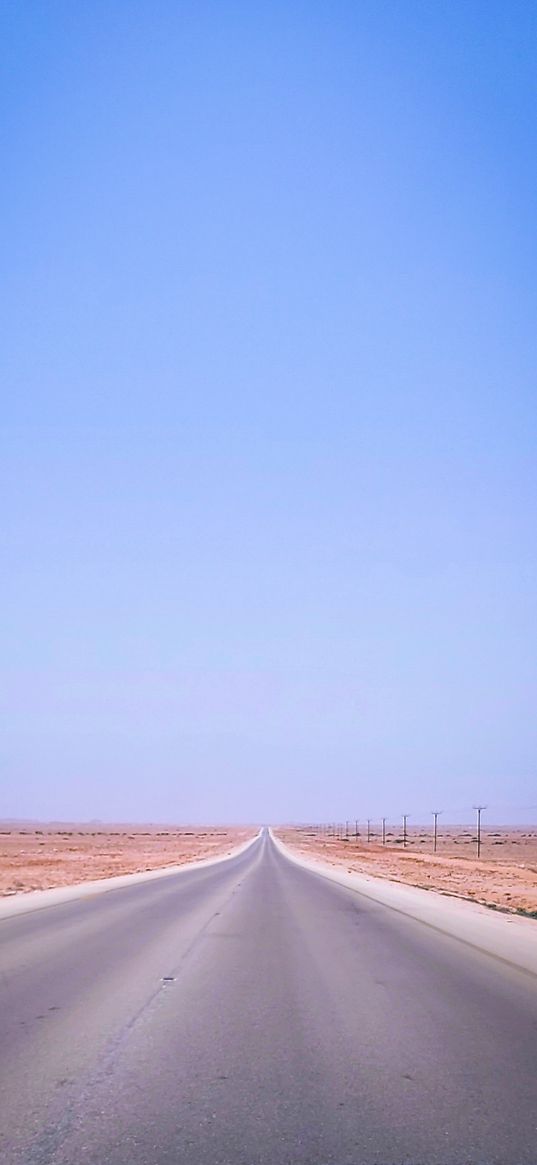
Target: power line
(436, 814)
(479, 809)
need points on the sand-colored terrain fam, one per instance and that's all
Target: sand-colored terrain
(504, 877)
(39, 856)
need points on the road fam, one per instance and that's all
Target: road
(254, 1013)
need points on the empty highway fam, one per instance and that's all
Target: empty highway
(254, 1013)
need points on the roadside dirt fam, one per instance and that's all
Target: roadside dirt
(38, 857)
(508, 882)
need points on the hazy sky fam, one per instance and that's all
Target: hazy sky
(269, 411)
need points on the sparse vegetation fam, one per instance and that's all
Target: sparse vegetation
(37, 859)
(505, 882)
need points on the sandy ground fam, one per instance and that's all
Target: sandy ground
(42, 856)
(507, 882)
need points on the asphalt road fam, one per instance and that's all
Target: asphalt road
(254, 1013)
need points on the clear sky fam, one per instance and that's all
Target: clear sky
(269, 408)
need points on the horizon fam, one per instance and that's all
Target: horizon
(391, 823)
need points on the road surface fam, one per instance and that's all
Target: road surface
(254, 1013)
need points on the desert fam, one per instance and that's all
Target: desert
(503, 878)
(42, 856)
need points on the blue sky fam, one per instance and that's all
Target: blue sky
(269, 410)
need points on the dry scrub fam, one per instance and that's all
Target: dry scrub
(507, 882)
(37, 857)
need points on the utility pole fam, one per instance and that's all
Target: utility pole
(368, 830)
(384, 831)
(405, 816)
(346, 831)
(356, 829)
(479, 810)
(436, 814)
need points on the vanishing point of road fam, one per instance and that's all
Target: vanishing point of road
(255, 1013)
